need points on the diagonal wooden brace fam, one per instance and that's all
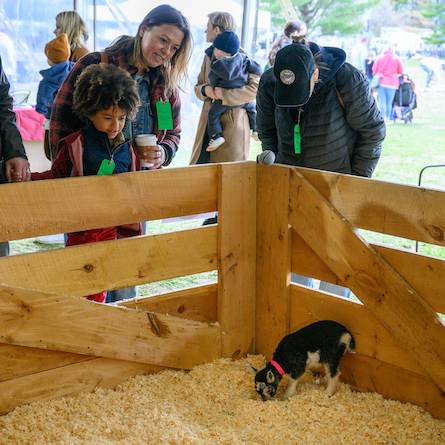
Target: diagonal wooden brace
(392, 300)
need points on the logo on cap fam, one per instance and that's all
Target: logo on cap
(287, 77)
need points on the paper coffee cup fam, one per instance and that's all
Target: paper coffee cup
(142, 142)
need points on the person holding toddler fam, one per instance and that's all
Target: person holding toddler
(230, 69)
(234, 121)
(104, 97)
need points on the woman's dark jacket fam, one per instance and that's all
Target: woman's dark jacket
(340, 138)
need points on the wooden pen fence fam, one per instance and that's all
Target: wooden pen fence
(271, 221)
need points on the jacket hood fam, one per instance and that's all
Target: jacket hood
(331, 60)
(57, 73)
(228, 68)
(209, 52)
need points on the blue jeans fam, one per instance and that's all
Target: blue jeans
(126, 293)
(4, 248)
(386, 98)
(326, 287)
(429, 73)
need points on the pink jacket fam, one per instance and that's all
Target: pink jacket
(389, 66)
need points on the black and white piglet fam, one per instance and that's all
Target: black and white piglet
(320, 344)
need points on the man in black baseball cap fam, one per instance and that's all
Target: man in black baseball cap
(296, 75)
(324, 118)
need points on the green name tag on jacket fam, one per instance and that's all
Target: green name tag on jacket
(165, 118)
(297, 139)
(106, 167)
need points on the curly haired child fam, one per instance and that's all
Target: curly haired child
(104, 97)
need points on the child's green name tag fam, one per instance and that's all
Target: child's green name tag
(106, 167)
(297, 139)
(165, 118)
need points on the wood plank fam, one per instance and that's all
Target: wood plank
(304, 261)
(273, 257)
(195, 303)
(371, 338)
(18, 361)
(72, 324)
(410, 212)
(95, 267)
(366, 374)
(237, 253)
(424, 273)
(68, 381)
(385, 294)
(74, 204)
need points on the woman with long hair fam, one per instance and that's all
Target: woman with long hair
(72, 24)
(156, 58)
(293, 28)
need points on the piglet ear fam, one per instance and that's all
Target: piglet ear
(254, 370)
(270, 377)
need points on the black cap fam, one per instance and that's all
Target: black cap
(294, 65)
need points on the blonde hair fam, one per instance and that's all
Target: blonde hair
(74, 27)
(174, 71)
(223, 20)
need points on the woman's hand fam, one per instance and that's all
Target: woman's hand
(218, 93)
(210, 92)
(155, 154)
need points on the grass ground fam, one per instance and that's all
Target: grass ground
(406, 150)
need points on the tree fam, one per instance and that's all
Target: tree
(436, 13)
(341, 16)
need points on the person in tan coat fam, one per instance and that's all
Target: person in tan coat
(235, 123)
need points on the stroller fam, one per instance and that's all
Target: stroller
(405, 100)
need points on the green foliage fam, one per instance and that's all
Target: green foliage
(340, 16)
(436, 13)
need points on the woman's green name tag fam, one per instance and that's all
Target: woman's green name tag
(165, 118)
(106, 167)
(297, 139)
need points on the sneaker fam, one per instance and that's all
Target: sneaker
(51, 239)
(209, 221)
(215, 143)
(255, 136)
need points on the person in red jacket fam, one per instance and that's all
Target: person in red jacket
(104, 97)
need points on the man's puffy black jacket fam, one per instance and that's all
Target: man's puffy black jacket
(341, 127)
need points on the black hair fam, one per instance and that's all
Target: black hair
(102, 86)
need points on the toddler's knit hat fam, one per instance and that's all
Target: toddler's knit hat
(58, 50)
(227, 41)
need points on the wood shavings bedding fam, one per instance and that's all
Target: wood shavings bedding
(215, 403)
